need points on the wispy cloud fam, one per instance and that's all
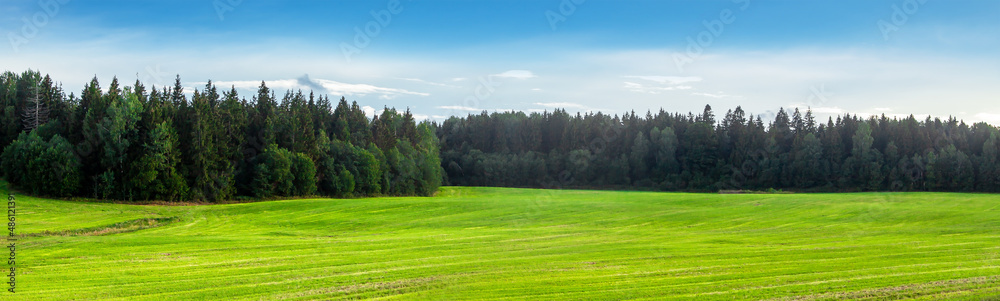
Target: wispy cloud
(828, 110)
(671, 80)
(989, 117)
(340, 88)
(562, 105)
(323, 85)
(819, 110)
(459, 108)
(427, 82)
(719, 95)
(516, 74)
(640, 88)
(659, 83)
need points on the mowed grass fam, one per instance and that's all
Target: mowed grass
(494, 243)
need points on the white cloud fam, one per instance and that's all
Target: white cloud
(820, 110)
(339, 88)
(459, 108)
(369, 111)
(517, 74)
(883, 109)
(720, 95)
(640, 88)
(671, 80)
(426, 82)
(562, 105)
(861, 79)
(717, 95)
(660, 83)
(989, 117)
(333, 87)
(828, 110)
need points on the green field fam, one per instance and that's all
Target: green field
(477, 243)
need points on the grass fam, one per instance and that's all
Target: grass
(477, 243)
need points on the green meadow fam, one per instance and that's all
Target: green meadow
(515, 244)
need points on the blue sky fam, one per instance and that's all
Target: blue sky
(443, 58)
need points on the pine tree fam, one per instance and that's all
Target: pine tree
(989, 170)
(807, 164)
(156, 175)
(638, 159)
(36, 110)
(10, 120)
(117, 131)
(864, 167)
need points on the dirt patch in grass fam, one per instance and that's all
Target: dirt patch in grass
(122, 227)
(908, 290)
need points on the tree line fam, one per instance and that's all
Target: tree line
(696, 152)
(134, 143)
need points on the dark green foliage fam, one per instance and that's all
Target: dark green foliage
(141, 143)
(808, 164)
(209, 153)
(989, 171)
(367, 172)
(155, 174)
(279, 172)
(692, 152)
(273, 173)
(118, 134)
(955, 170)
(335, 180)
(863, 169)
(48, 168)
(304, 171)
(149, 143)
(428, 160)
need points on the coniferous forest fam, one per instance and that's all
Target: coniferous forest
(698, 152)
(139, 143)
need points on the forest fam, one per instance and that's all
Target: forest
(697, 152)
(135, 143)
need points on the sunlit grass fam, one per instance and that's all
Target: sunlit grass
(475, 243)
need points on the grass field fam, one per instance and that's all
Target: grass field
(477, 243)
